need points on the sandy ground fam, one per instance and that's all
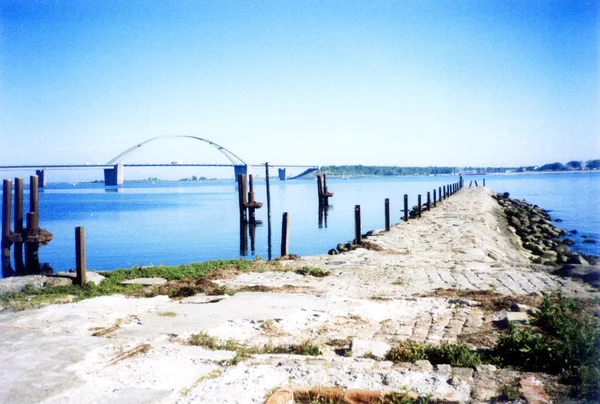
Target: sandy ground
(372, 298)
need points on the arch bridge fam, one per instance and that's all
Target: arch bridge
(116, 174)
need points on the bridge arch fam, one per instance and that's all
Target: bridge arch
(115, 176)
(235, 160)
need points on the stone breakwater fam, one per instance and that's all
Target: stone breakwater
(547, 242)
(450, 276)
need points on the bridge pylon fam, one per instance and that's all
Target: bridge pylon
(115, 175)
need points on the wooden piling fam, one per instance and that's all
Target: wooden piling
(428, 201)
(80, 258)
(32, 261)
(7, 269)
(357, 225)
(269, 252)
(251, 208)
(387, 214)
(406, 208)
(434, 198)
(320, 189)
(242, 197)
(33, 194)
(285, 234)
(18, 224)
(419, 205)
(476, 183)
(440, 194)
(484, 182)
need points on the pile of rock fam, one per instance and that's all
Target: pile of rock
(533, 224)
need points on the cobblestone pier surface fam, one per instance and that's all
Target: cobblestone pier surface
(440, 278)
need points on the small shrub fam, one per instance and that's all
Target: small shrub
(312, 271)
(453, 354)
(565, 341)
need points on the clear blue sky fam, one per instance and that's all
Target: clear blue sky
(498, 83)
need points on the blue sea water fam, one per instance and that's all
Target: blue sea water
(181, 222)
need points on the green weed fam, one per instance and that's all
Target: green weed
(453, 354)
(565, 341)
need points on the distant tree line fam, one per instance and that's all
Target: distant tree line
(571, 166)
(360, 170)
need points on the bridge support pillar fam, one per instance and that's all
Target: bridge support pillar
(237, 170)
(41, 178)
(114, 176)
(282, 174)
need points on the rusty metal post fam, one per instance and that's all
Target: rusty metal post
(285, 234)
(7, 269)
(428, 201)
(405, 208)
(387, 214)
(357, 225)
(419, 205)
(80, 259)
(18, 248)
(434, 198)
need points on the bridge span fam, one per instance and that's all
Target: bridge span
(114, 170)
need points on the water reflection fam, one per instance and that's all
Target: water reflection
(323, 213)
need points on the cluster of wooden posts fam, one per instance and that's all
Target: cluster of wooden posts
(32, 237)
(439, 195)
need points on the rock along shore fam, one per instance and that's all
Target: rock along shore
(440, 278)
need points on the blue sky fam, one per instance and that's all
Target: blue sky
(497, 83)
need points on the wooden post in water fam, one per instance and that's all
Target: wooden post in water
(484, 182)
(33, 195)
(7, 269)
(320, 189)
(440, 194)
(80, 259)
(251, 209)
(419, 205)
(428, 201)
(434, 198)
(387, 214)
(268, 212)
(476, 183)
(357, 225)
(32, 261)
(242, 197)
(405, 208)
(18, 249)
(285, 234)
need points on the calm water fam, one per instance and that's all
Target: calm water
(182, 222)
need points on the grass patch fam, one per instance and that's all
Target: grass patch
(564, 340)
(243, 351)
(167, 314)
(312, 271)
(453, 354)
(30, 297)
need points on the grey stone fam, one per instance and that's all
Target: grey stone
(91, 276)
(18, 283)
(145, 281)
(369, 347)
(423, 365)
